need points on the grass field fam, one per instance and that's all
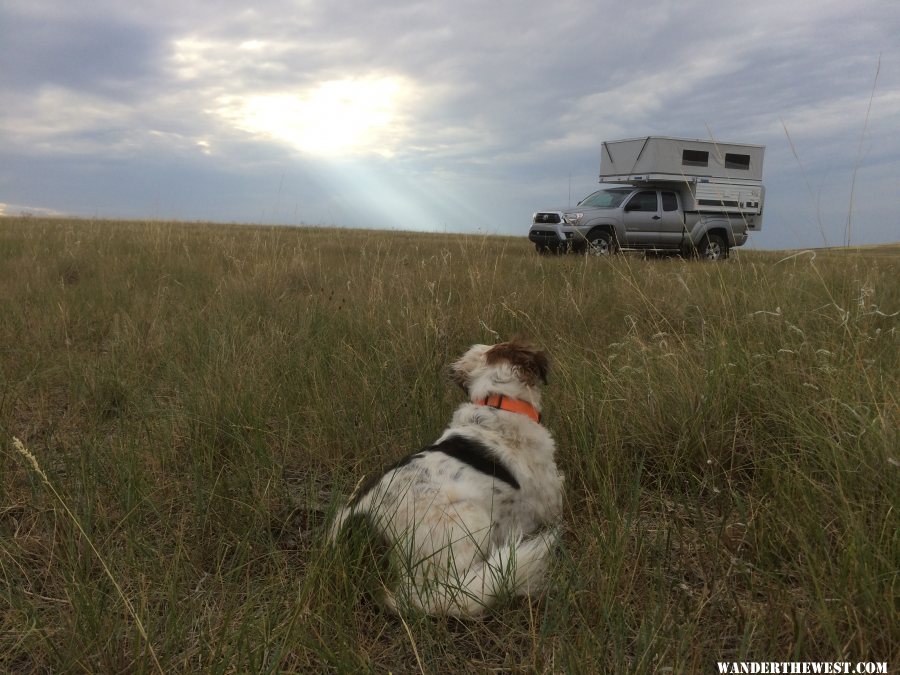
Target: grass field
(196, 399)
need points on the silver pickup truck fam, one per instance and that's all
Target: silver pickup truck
(638, 218)
(679, 195)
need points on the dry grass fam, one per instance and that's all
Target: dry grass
(196, 394)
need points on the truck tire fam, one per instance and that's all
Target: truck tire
(713, 247)
(600, 243)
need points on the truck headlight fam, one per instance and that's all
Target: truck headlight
(573, 218)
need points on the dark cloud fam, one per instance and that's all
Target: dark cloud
(108, 57)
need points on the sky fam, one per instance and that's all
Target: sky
(463, 116)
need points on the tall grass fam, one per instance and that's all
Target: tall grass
(199, 397)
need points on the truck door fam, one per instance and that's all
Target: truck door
(641, 217)
(670, 223)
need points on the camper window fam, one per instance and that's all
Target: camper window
(695, 158)
(737, 161)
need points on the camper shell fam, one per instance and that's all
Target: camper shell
(713, 177)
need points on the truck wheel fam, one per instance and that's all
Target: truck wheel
(600, 243)
(713, 247)
(543, 250)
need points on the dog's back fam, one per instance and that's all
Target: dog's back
(449, 555)
(473, 516)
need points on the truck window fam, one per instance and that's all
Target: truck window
(670, 201)
(606, 199)
(646, 201)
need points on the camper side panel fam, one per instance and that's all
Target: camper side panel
(620, 157)
(680, 158)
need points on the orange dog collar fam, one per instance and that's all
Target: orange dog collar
(515, 405)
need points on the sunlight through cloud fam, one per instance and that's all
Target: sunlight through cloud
(338, 117)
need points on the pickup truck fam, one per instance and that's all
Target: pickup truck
(681, 195)
(642, 217)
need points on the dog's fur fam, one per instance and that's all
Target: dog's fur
(474, 515)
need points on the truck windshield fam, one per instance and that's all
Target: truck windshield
(606, 199)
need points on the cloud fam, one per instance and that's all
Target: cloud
(59, 120)
(23, 210)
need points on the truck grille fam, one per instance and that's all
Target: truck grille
(546, 217)
(543, 237)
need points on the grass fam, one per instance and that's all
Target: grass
(197, 398)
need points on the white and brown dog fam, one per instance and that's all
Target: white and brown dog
(474, 515)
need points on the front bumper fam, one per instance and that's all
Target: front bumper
(548, 238)
(554, 236)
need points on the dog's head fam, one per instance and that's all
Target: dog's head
(511, 368)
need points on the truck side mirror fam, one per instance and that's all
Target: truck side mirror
(633, 205)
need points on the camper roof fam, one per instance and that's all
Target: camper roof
(685, 140)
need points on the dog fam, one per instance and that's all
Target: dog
(473, 517)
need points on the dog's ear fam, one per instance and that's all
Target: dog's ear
(531, 363)
(459, 375)
(461, 369)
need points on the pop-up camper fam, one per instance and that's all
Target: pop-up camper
(720, 177)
